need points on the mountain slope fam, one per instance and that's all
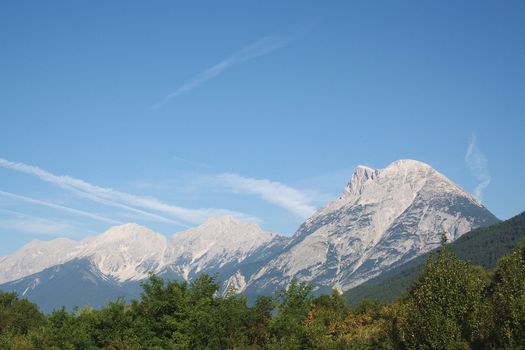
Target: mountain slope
(221, 245)
(99, 269)
(383, 219)
(76, 283)
(131, 251)
(483, 246)
(35, 256)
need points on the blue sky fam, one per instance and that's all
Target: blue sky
(164, 113)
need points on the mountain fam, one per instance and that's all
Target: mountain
(34, 257)
(76, 283)
(99, 269)
(125, 252)
(383, 219)
(482, 246)
(220, 245)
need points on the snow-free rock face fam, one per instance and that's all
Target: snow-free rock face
(220, 243)
(235, 283)
(99, 269)
(35, 256)
(383, 218)
(126, 252)
(129, 252)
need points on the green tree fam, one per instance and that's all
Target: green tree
(507, 296)
(445, 309)
(18, 316)
(258, 321)
(162, 313)
(288, 328)
(113, 327)
(216, 322)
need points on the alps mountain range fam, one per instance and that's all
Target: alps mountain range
(382, 219)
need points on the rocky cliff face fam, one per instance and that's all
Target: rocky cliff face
(383, 218)
(129, 252)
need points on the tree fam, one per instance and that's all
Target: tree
(258, 321)
(18, 316)
(162, 313)
(444, 306)
(293, 307)
(507, 296)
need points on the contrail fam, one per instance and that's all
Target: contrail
(478, 165)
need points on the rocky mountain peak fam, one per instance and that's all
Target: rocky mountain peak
(385, 217)
(222, 221)
(361, 176)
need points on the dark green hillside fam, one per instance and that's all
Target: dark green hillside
(483, 246)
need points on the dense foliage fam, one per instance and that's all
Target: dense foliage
(482, 246)
(452, 305)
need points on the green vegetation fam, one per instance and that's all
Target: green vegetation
(452, 305)
(466, 295)
(483, 246)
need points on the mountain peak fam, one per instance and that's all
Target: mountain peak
(363, 168)
(361, 175)
(384, 218)
(223, 220)
(225, 226)
(126, 231)
(364, 175)
(408, 163)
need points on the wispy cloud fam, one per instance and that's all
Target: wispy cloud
(291, 199)
(149, 205)
(256, 49)
(59, 207)
(478, 165)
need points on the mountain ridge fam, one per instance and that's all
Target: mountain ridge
(139, 248)
(382, 219)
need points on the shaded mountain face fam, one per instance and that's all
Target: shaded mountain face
(382, 219)
(76, 283)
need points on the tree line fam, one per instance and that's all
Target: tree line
(452, 305)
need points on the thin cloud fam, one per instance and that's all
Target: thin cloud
(478, 165)
(291, 199)
(123, 200)
(256, 49)
(59, 207)
(143, 213)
